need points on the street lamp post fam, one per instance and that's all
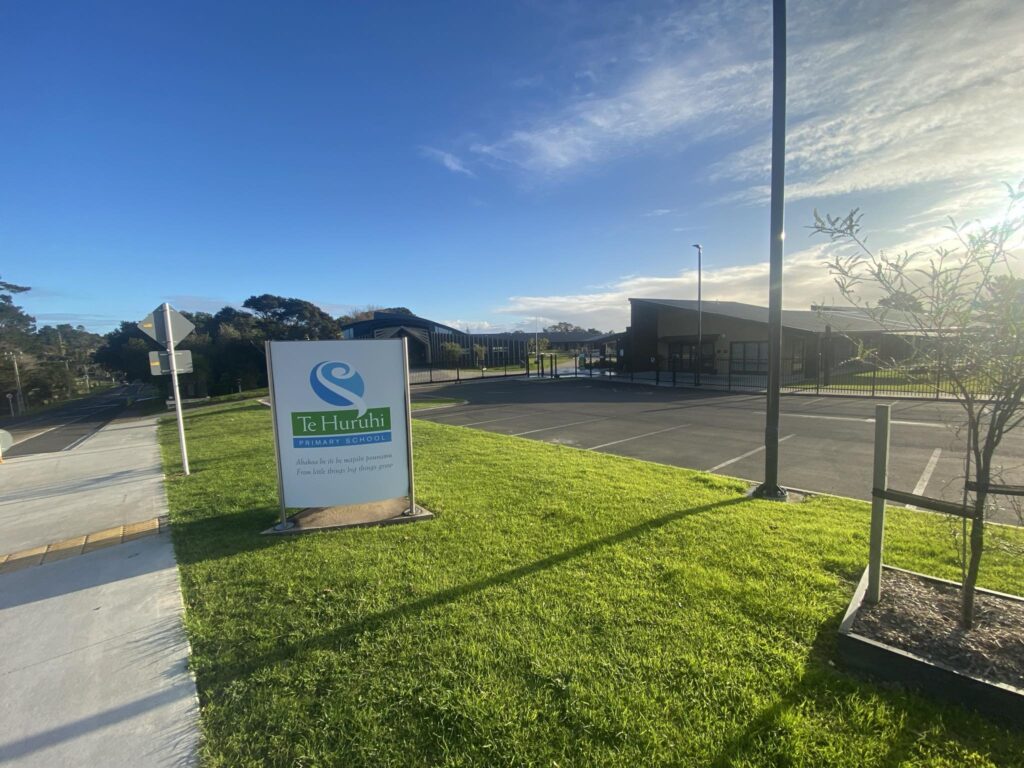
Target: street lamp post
(770, 488)
(700, 315)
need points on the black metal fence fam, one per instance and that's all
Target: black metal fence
(812, 377)
(467, 357)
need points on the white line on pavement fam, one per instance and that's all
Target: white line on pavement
(744, 455)
(926, 475)
(489, 421)
(864, 420)
(635, 437)
(557, 426)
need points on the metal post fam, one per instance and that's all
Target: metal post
(879, 481)
(284, 523)
(174, 385)
(700, 317)
(17, 381)
(408, 428)
(770, 488)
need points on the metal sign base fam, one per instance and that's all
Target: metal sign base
(388, 512)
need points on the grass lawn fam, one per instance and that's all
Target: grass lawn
(565, 608)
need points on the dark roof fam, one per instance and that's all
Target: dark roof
(607, 337)
(842, 320)
(567, 337)
(385, 320)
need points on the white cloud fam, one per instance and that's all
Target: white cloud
(881, 96)
(659, 212)
(806, 281)
(447, 159)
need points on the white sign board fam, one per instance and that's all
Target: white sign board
(341, 421)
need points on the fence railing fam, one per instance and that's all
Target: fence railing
(802, 376)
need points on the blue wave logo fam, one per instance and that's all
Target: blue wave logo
(338, 384)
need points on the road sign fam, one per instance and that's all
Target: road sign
(153, 325)
(160, 362)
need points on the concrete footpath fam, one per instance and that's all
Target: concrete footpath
(94, 668)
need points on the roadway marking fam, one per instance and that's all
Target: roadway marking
(868, 420)
(488, 421)
(559, 426)
(745, 455)
(926, 475)
(635, 437)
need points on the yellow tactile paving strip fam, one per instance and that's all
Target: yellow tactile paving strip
(79, 545)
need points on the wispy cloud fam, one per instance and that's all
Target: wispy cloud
(447, 159)
(659, 212)
(882, 96)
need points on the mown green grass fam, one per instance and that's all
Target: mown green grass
(564, 608)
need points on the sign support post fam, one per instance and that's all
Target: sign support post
(408, 427)
(284, 524)
(174, 385)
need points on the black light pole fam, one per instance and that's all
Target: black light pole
(770, 488)
(700, 317)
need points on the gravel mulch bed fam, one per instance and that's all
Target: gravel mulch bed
(922, 617)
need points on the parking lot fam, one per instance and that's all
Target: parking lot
(826, 443)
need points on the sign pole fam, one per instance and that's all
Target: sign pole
(408, 427)
(174, 384)
(284, 524)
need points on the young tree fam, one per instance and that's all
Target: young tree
(452, 353)
(480, 353)
(967, 307)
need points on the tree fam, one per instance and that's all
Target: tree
(285, 318)
(14, 322)
(451, 351)
(966, 304)
(368, 312)
(480, 353)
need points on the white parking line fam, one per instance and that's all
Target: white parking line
(635, 437)
(745, 455)
(557, 426)
(865, 420)
(488, 421)
(926, 475)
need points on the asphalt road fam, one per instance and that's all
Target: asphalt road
(826, 443)
(67, 426)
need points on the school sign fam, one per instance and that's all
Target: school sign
(341, 421)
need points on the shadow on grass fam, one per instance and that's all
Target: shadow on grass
(218, 409)
(220, 536)
(858, 703)
(374, 622)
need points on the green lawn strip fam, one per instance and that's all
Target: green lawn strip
(618, 613)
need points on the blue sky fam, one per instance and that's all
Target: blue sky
(483, 163)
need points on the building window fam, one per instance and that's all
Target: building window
(798, 357)
(748, 357)
(684, 356)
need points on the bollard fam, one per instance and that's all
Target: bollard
(879, 482)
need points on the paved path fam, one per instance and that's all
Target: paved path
(94, 669)
(112, 478)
